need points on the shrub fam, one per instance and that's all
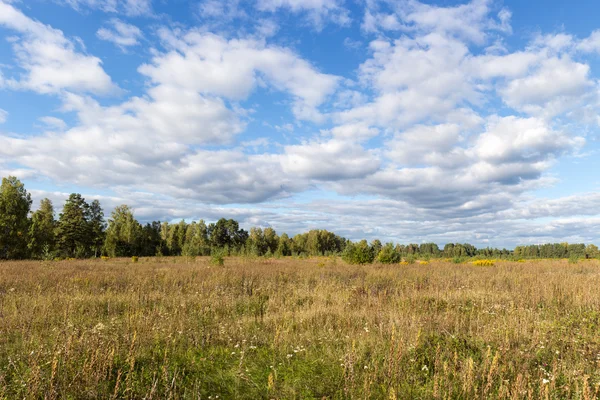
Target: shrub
(484, 263)
(104, 258)
(217, 259)
(135, 259)
(388, 255)
(358, 253)
(410, 259)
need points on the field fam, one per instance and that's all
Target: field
(298, 328)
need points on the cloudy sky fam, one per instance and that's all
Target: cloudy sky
(403, 120)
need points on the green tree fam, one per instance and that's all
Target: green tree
(389, 254)
(358, 253)
(284, 247)
(226, 234)
(97, 227)
(591, 251)
(15, 204)
(42, 231)
(73, 230)
(196, 240)
(124, 234)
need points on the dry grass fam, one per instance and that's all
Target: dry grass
(316, 328)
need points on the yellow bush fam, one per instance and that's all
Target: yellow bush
(424, 262)
(105, 258)
(135, 259)
(484, 263)
(404, 263)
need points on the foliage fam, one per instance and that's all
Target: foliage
(123, 236)
(42, 242)
(80, 228)
(389, 255)
(483, 263)
(15, 204)
(81, 232)
(217, 258)
(358, 253)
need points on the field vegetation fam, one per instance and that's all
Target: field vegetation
(297, 328)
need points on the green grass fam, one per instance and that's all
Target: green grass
(298, 329)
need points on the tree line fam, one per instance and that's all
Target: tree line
(81, 231)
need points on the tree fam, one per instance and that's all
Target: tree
(591, 251)
(151, 242)
(226, 234)
(358, 253)
(377, 246)
(97, 227)
(41, 231)
(15, 204)
(124, 234)
(389, 254)
(73, 231)
(284, 247)
(196, 240)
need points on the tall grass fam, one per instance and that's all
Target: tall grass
(291, 328)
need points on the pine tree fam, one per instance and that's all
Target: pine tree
(73, 231)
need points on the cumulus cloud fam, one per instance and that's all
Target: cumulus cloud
(330, 160)
(3, 116)
(471, 21)
(319, 11)
(127, 7)
(444, 132)
(211, 64)
(51, 62)
(120, 33)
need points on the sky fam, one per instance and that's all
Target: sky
(408, 121)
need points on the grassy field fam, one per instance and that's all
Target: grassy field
(283, 329)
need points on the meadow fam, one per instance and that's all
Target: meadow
(255, 328)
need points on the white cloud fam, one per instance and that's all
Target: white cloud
(445, 128)
(469, 21)
(331, 160)
(591, 44)
(127, 7)
(559, 83)
(50, 61)
(319, 11)
(53, 122)
(120, 33)
(3, 116)
(210, 64)
(512, 139)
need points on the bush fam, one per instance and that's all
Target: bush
(389, 255)
(484, 263)
(217, 259)
(410, 259)
(358, 253)
(135, 259)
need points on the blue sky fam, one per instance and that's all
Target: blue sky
(397, 119)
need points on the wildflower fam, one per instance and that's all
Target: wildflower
(545, 381)
(425, 368)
